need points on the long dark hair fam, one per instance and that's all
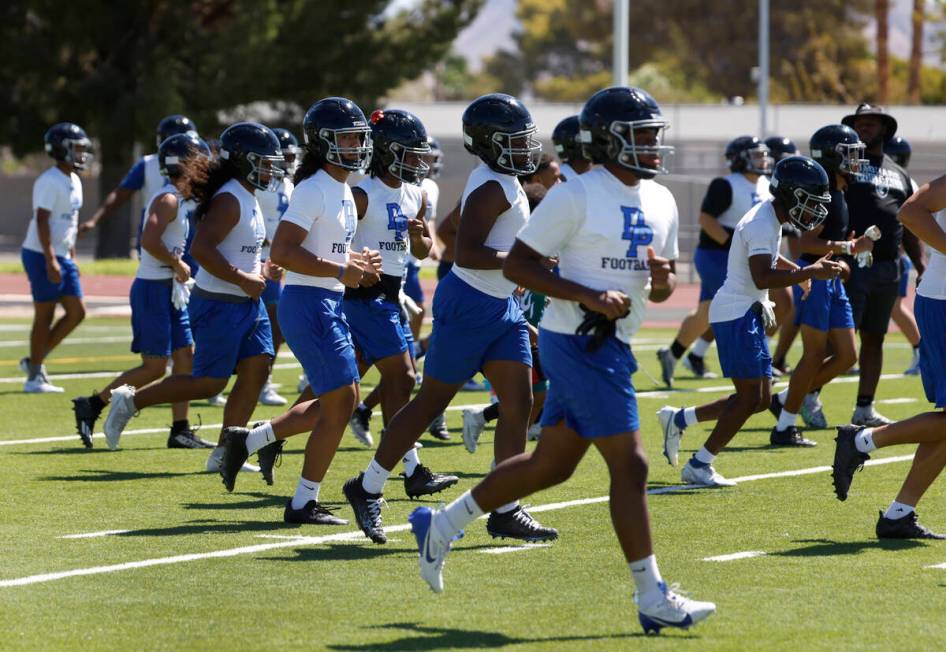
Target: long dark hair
(203, 179)
(311, 163)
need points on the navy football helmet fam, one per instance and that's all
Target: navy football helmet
(898, 148)
(435, 158)
(781, 147)
(800, 186)
(325, 121)
(400, 145)
(566, 139)
(624, 126)
(499, 129)
(254, 151)
(838, 149)
(68, 142)
(290, 150)
(748, 154)
(175, 124)
(177, 149)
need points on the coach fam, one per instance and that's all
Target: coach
(874, 196)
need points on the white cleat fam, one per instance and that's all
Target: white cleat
(269, 396)
(39, 384)
(215, 461)
(432, 548)
(360, 424)
(303, 383)
(812, 412)
(912, 370)
(674, 610)
(672, 434)
(25, 365)
(473, 425)
(121, 411)
(704, 476)
(867, 416)
(217, 401)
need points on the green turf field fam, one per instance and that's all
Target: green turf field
(190, 566)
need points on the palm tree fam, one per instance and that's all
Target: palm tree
(916, 52)
(881, 8)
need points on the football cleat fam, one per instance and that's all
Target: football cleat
(667, 364)
(217, 401)
(367, 508)
(674, 610)
(847, 460)
(270, 456)
(704, 476)
(775, 406)
(187, 439)
(812, 412)
(269, 396)
(360, 423)
(120, 413)
(473, 425)
(672, 433)
(518, 524)
(432, 548)
(424, 482)
(234, 455)
(86, 416)
(906, 527)
(215, 462)
(312, 513)
(535, 432)
(790, 437)
(438, 428)
(697, 365)
(866, 415)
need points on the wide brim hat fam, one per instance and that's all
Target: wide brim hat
(890, 123)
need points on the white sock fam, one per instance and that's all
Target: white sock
(647, 579)
(689, 415)
(864, 440)
(704, 456)
(786, 419)
(783, 396)
(374, 478)
(898, 510)
(260, 436)
(411, 461)
(700, 347)
(508, 507)
(306, 490)
(457, 515)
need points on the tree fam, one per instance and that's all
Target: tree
(916, 51)
(881, 13)
(117, 68)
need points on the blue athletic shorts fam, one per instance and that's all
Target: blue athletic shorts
(711, 265)
(470, 329)
(826, 306)
(905, 267)
(157, 327)
(376, 328)
(43, 290)
(592, 391)
(743, 348)
(272, 292)
(412, 286)
(931, 320)
(225, 333)
(315, 328)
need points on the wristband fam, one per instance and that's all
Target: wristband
(341, 272)
(847, 247)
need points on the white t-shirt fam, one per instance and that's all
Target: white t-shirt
(600, 229)
(758, 233)
(153, 178)
(567, 171)
(745, 195)
(273, 203)
(61, 195)
(501, 236)
(433, 196)
(326, 209)
(933, 283)
(174, 238)
(241, 246)
(384, 224)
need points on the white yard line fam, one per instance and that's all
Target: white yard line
(93, 535)
(71, 340)
(897, 401)
(504, 549)
(357, 535)
(112, 374)
(748, 554)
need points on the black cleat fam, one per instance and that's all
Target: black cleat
(905, 527)
(696, 364)
(424, 482)
(234, 455)
(312, 513)
(86, 416)
(187, 438)
(791, 436)
(269, 457)
(847, 460)
(775, 406)
(367, 508)
(518, 524)
(438, 429)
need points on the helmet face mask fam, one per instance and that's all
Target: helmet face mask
(178, 149)
(809, 210)
(265, 171)
(637, 146)
(517, 152)
(800, 187)
(68, 143)
(758, 160)
(434, 159)
(254, 152)
(410, 163)
(78, 153)
(852, 157)
(352, 151)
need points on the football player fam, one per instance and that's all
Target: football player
(569, 149)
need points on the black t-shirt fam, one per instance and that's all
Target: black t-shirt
(835, 224)
(717, 200)
(873, 197)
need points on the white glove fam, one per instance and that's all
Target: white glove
(768, 315)
(181, 293)
(409, 305)
(866, 258)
